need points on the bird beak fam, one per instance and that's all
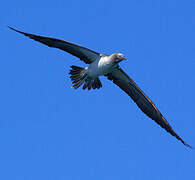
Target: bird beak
(124, 58)
(119, 60)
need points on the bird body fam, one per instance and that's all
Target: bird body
(105, 65)
(101, 67)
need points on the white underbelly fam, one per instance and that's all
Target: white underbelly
(99, 68)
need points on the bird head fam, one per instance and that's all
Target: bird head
(118, 57)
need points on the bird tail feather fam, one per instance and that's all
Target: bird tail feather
(79, 76)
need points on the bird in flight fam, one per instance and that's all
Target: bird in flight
(105, 65)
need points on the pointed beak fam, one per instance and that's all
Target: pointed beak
(124, 58)
(118, 60)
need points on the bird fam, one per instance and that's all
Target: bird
(108, 66)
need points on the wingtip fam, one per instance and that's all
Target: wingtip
(187, 145)
(16, 30)
(11, 28)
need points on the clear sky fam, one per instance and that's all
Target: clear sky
(49, 131)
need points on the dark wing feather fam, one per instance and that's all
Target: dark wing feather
(86, 55)
(121, 79)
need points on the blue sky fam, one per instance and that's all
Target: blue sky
(50, 131)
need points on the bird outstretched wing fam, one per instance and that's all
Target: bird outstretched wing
(85, 54)
(121, 79)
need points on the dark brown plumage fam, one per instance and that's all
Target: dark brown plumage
(85, 54)
(80, 76)
(121, 79)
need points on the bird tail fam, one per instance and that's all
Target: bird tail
(92, 83)
(79, 76)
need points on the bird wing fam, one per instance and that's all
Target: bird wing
(121, 79)
(86, 55)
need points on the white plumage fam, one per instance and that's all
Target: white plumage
(100, 67)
